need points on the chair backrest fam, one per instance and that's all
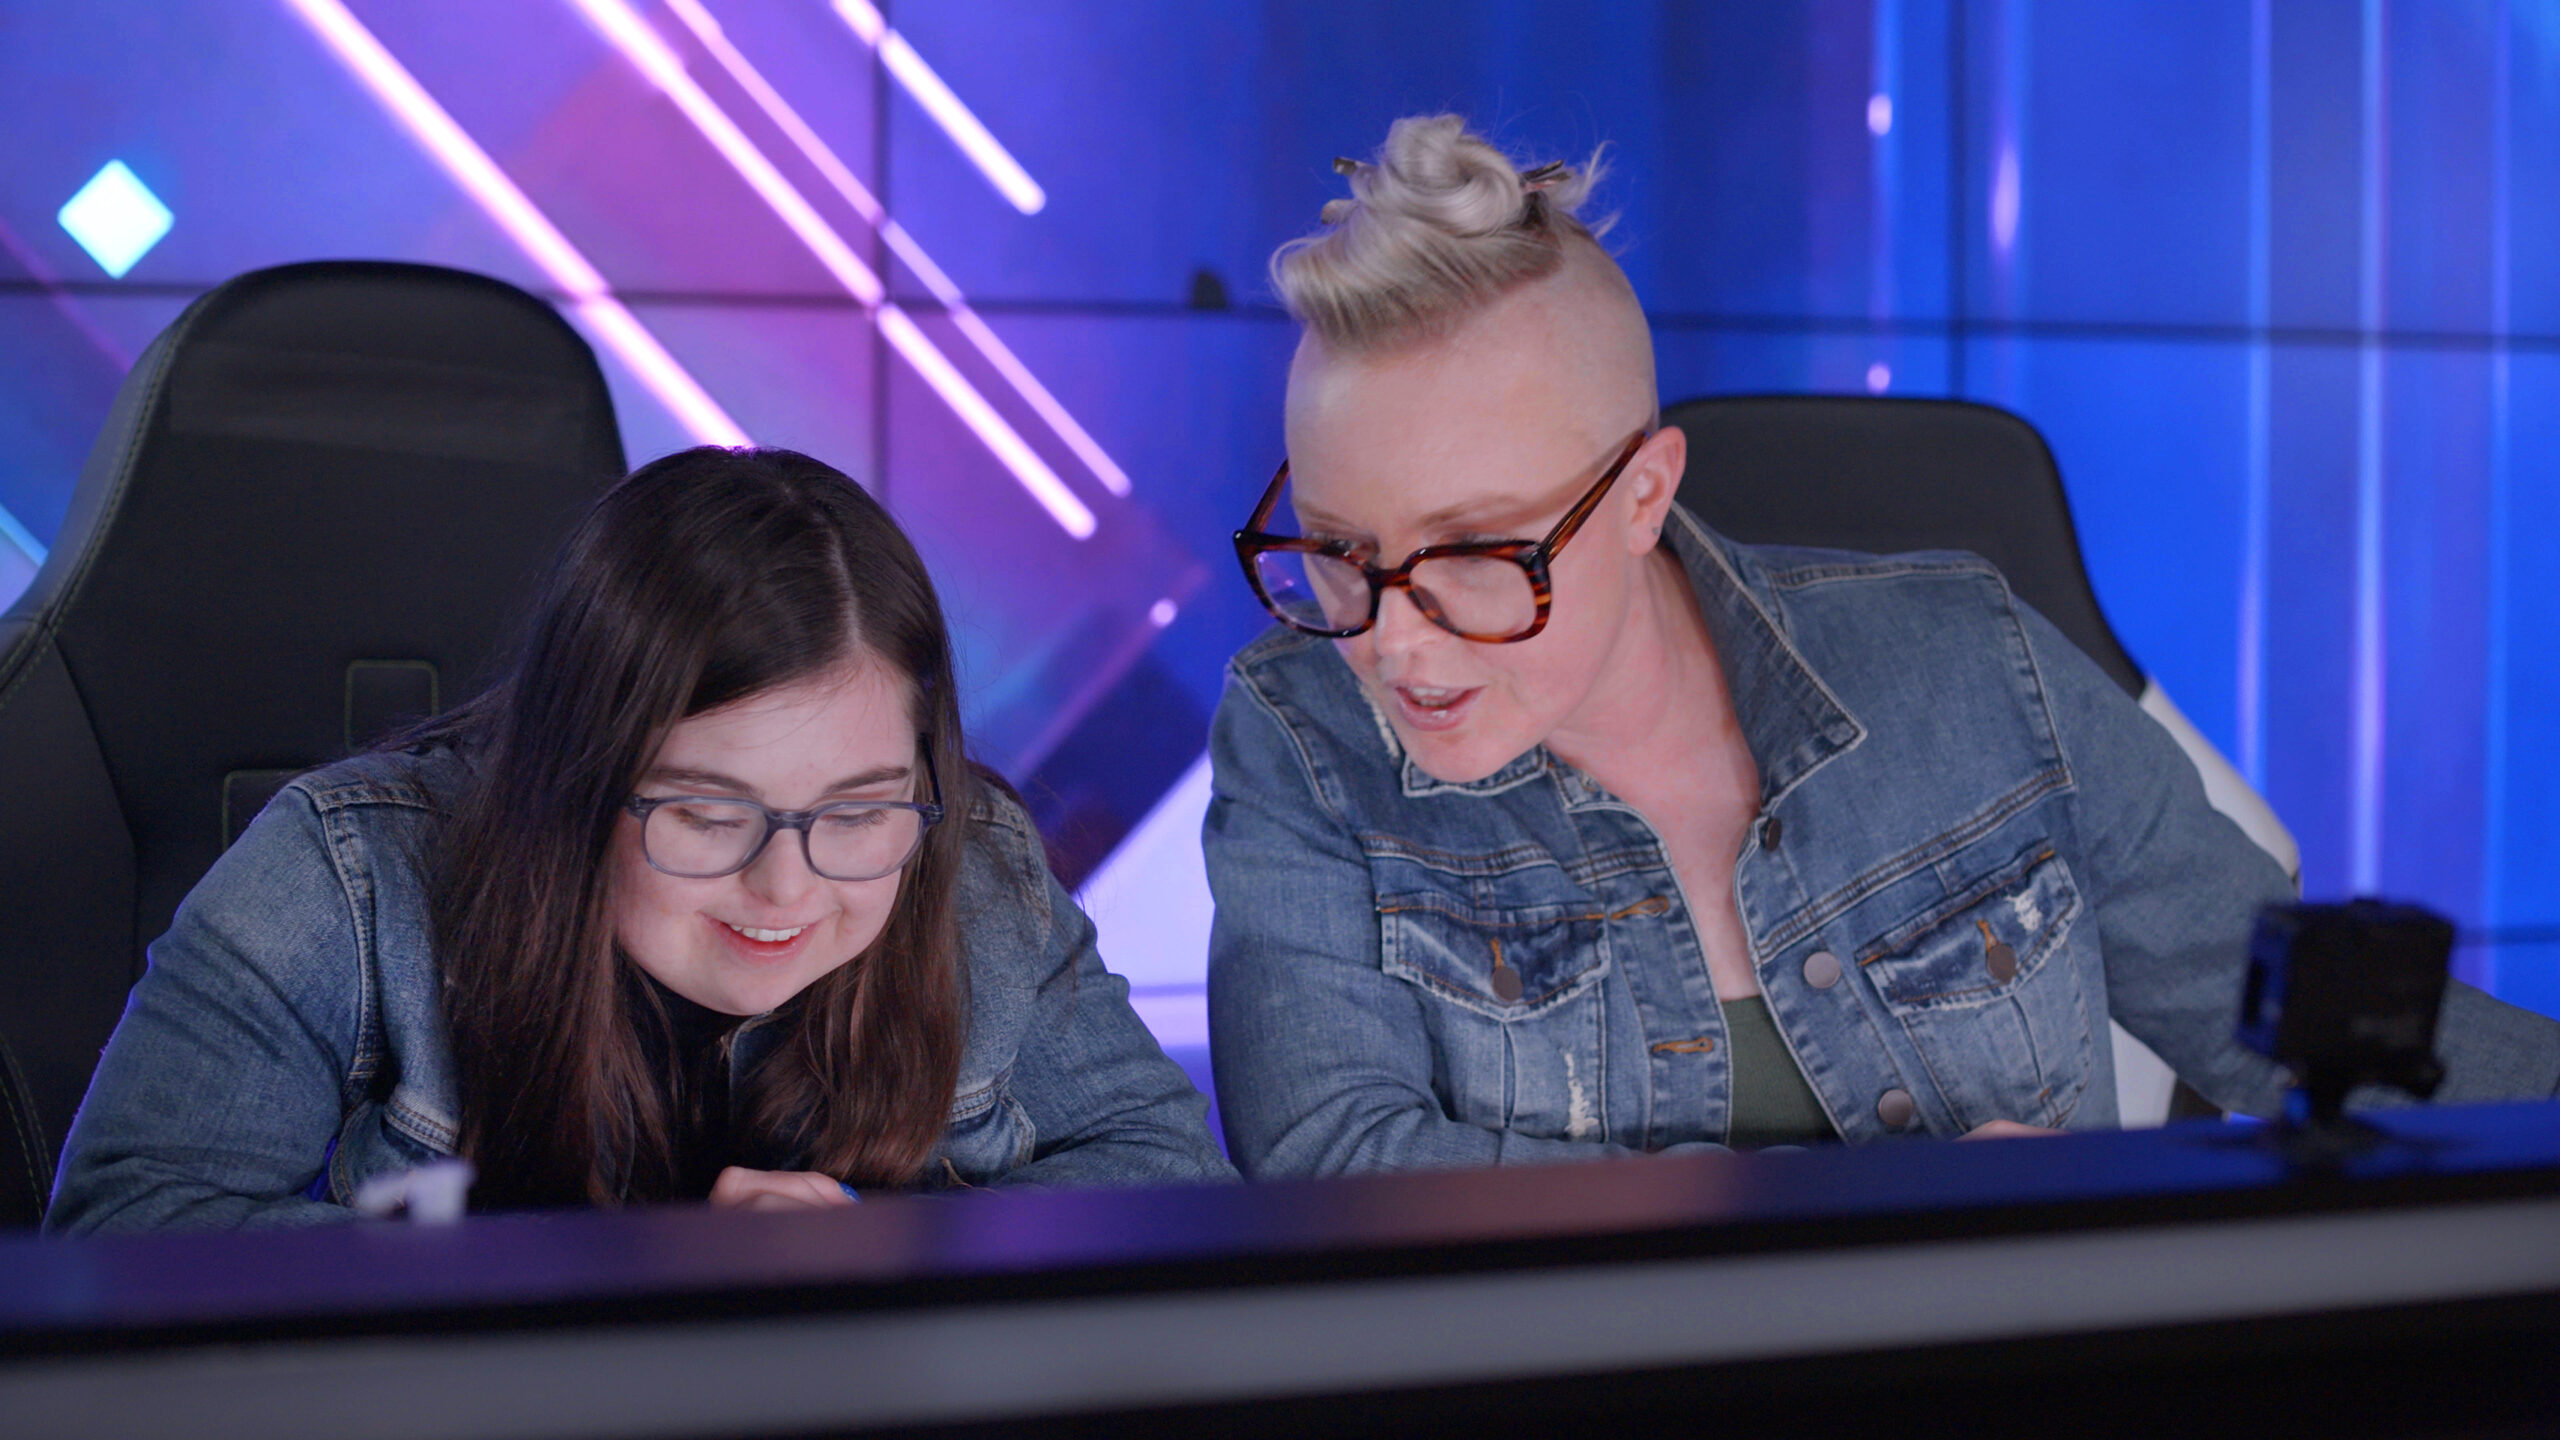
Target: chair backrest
(26, 1161)
(319, 499)
(1850, 472)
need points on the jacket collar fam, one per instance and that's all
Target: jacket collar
(1790, 719)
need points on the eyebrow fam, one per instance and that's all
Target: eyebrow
(714, 780)
(1496, 512)
(1491, 512)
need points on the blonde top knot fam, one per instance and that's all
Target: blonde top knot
(1439, 225)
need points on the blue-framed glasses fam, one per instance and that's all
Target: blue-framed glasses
(703, 837)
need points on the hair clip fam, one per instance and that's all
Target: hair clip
(1550, 174)
(1345, 165)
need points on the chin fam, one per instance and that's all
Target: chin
(1460, 759)
(758, 996)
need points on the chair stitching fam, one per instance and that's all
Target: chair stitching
(39, 1166)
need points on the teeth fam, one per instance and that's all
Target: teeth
(769, 937)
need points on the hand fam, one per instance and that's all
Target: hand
(1988, 1130)
(740, 1188)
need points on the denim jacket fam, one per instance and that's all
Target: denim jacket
(286, 1043)
(1972, 851)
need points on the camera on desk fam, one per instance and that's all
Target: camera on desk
(2346, 995)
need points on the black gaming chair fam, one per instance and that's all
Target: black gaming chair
(317, 501)
(26, 1160)
(1847, 472)
(1850, 472)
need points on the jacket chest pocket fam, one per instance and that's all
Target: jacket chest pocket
(1512, 1000)
(1985, 986)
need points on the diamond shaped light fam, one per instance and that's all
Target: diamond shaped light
(116, 218)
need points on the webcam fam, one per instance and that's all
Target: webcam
(2343, 996)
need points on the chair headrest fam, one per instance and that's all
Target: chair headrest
(325, 485)
(1854, 472)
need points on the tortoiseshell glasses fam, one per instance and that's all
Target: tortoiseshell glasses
(1495, 591)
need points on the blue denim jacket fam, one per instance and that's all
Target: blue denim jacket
(287, 1039)
(1941, 771)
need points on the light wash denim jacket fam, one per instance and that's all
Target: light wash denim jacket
(286, 1043)
(1940, 771)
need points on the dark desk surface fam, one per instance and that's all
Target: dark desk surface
(1006, 1308)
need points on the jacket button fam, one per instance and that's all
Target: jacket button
(1822, 969)
(1770, 829)
(1895, 1108)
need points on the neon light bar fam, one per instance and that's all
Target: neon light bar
(1016, 374)
(633, 37)
(21, 537)
(2370, 717)
(819, 155)
(627, 32)
(991, 158)
(776, 109)
(480, 178)
(971, 407)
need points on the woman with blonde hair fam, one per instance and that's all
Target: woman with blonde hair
(1549, 824)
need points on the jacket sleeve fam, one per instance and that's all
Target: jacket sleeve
(2178, 888)
(216, 1099)
(1323, 1060)
(1103, 1104)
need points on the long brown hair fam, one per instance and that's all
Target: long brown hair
(704, 578)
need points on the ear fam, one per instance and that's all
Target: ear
(1652, 481)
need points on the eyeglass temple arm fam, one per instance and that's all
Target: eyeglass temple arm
(1590, 502)
(1270, 499)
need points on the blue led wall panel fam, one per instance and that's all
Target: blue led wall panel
(2274, 276)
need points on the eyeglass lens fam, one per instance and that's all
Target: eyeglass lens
(710, 837)
(1471, 594)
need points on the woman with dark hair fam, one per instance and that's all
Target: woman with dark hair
(702, 900)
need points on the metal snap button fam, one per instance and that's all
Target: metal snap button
(1822, 969)
(1771, 827)
(1895, 1108)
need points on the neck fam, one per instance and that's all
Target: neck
(1662, 694)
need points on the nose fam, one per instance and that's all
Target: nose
(1402, 628)
(781, 876)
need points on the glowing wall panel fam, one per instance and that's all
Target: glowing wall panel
(2274, 277)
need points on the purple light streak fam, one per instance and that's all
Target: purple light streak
(823, 158)
(978, 415)
(632, 36)
(590, 299)
(955, 118)
(627, 32)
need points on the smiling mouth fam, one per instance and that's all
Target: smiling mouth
(1429, 707)
(766, 939)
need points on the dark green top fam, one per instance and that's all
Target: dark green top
(1772, 1104)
